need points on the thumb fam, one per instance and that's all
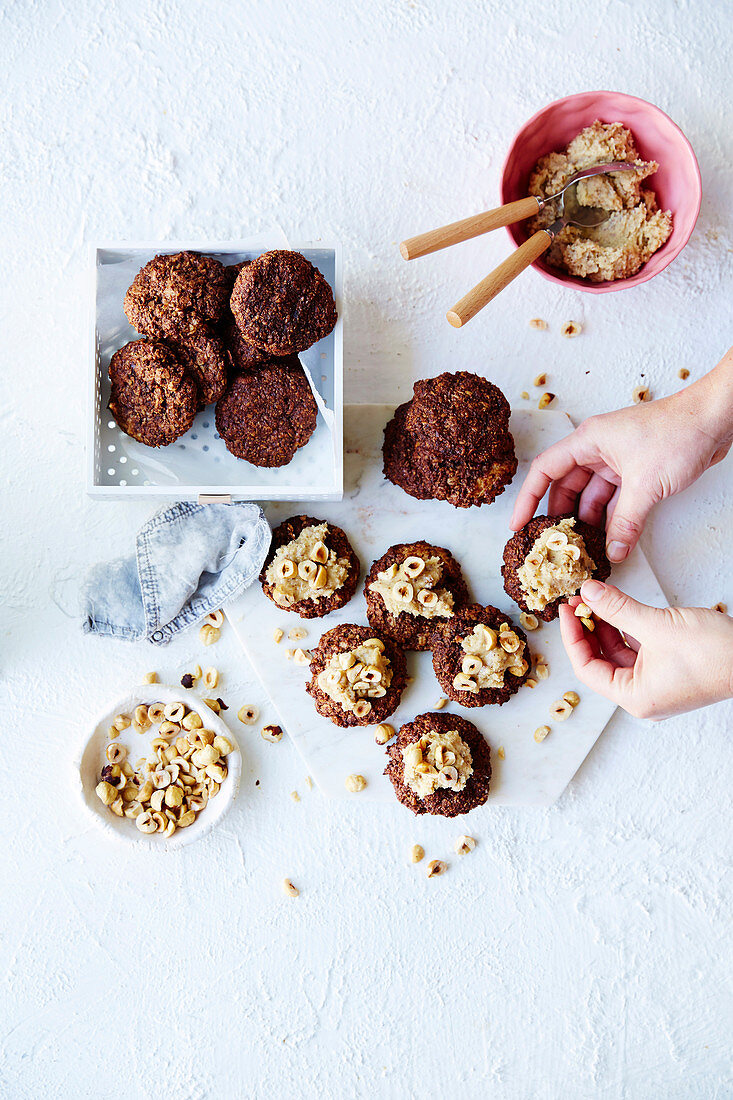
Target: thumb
(627, 522)
(618, 609)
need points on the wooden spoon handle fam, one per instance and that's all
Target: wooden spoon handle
(489, 287)
(474, 226)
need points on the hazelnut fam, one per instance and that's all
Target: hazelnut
(436, 867)
(355, 783)
(417, 852)
(271, 733)
(464, 845)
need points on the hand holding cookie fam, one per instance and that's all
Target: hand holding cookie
(619, 465)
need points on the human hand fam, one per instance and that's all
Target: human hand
(677, 658)
(620, 464)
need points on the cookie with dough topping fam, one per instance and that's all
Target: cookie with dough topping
(549, 558)
(311, 568)
(440, 764)
(412, 588)
(357, 676)
(480, 657)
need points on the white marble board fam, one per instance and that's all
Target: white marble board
(375, 514)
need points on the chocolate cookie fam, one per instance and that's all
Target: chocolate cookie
(242, 356)
(268, 413)
(315, 575)
(350, 667)
(445, 800)
(561, 571)
(434, 582)
(174, 294)
(153, 399)
(461, 416)
(282, 303)
(479, 672)
(451, 441)
(204, 356)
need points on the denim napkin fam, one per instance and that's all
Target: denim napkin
(190, 559)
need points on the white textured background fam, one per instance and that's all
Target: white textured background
(579, 952)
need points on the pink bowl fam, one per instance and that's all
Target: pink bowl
(677, 184)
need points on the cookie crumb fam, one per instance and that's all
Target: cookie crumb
(571, 328)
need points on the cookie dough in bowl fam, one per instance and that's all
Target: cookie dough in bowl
(548, 559)
(480, 657)
(311, 568)
(411, 589)
(635, 227)
(440, 764)
(676, 184)
(357, 676)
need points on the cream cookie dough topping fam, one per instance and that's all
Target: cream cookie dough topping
(556, 566)
(490, 655)
(414, 587)
(305, 568)
(353, 677)
(437, 760)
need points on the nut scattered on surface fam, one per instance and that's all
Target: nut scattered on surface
(417, 852)
(641, 393)
(271, 733)
(530, 682)
(571, 328)
(150, 678)
(248, 714)
(528, 620)
(683, 373)
(588, 624)
(571, 697)
(541, 733)
(541, 670)
(524, 395)
(121, 722)
(539, 380)
(538, 323)
(301, 657)
(278, 635)
(440, 704)
(290, 889)
(209, 634)
(213, 704)
(383, 733)
(295, 796)
(309, 783)
(583, 611)
(501, 753)
(545, 401)
(215, 619)
(355, 783)
(721, 607)
(211, 677)
(464, 845)
(297, 634)
(436, 867)
(560, 710)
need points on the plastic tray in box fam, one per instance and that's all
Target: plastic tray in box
(198, 463)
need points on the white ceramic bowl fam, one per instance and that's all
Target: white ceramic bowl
(92, 759)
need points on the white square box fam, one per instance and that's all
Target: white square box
(198, 464)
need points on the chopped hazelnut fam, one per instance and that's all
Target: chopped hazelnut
(383, 733)
(278, 635)
(683, 373)
(464, 845)
(641, 393)
(436, 867)
(541, 733)
(291, 890)
(539, 380)
(546, 400)
(501, 753)
(271, 733)
(571, 328)
(355, 783)
(560, 710)
(417, 852)
(571, 697)
(538, 323)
